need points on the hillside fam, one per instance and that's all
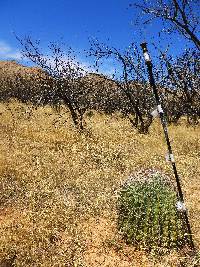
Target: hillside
(16, 78)
(31, 84)
(58, 188)
(12, 68)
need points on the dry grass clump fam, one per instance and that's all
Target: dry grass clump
(58, 188)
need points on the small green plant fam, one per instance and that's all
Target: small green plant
(148, 216)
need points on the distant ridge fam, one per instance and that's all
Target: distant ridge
(13, 68)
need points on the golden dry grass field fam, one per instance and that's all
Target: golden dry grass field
(58, 187)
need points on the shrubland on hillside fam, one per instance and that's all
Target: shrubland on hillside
(81, 93)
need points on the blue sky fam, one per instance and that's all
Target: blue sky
(73, 21)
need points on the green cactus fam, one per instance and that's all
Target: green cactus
(148, 216)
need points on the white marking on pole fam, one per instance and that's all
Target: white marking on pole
(180, 206)
(160, 110)
(147, 57)
(170, 157)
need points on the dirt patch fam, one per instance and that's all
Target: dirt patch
(105, 248)
(9, 214)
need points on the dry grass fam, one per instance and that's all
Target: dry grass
(58, 187)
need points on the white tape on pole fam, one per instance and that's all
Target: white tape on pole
(180, 206)
(160, 110)
(170, 157)
(146, 56)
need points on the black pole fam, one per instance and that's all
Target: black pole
(181, 207)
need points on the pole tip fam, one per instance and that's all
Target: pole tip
(144, 45)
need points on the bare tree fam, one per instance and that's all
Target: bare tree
(181, 84)
(131, 80)
(62, 80)
(180, 15)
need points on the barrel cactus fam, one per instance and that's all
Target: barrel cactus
(148, 216)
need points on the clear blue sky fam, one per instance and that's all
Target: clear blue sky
(73, 21)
